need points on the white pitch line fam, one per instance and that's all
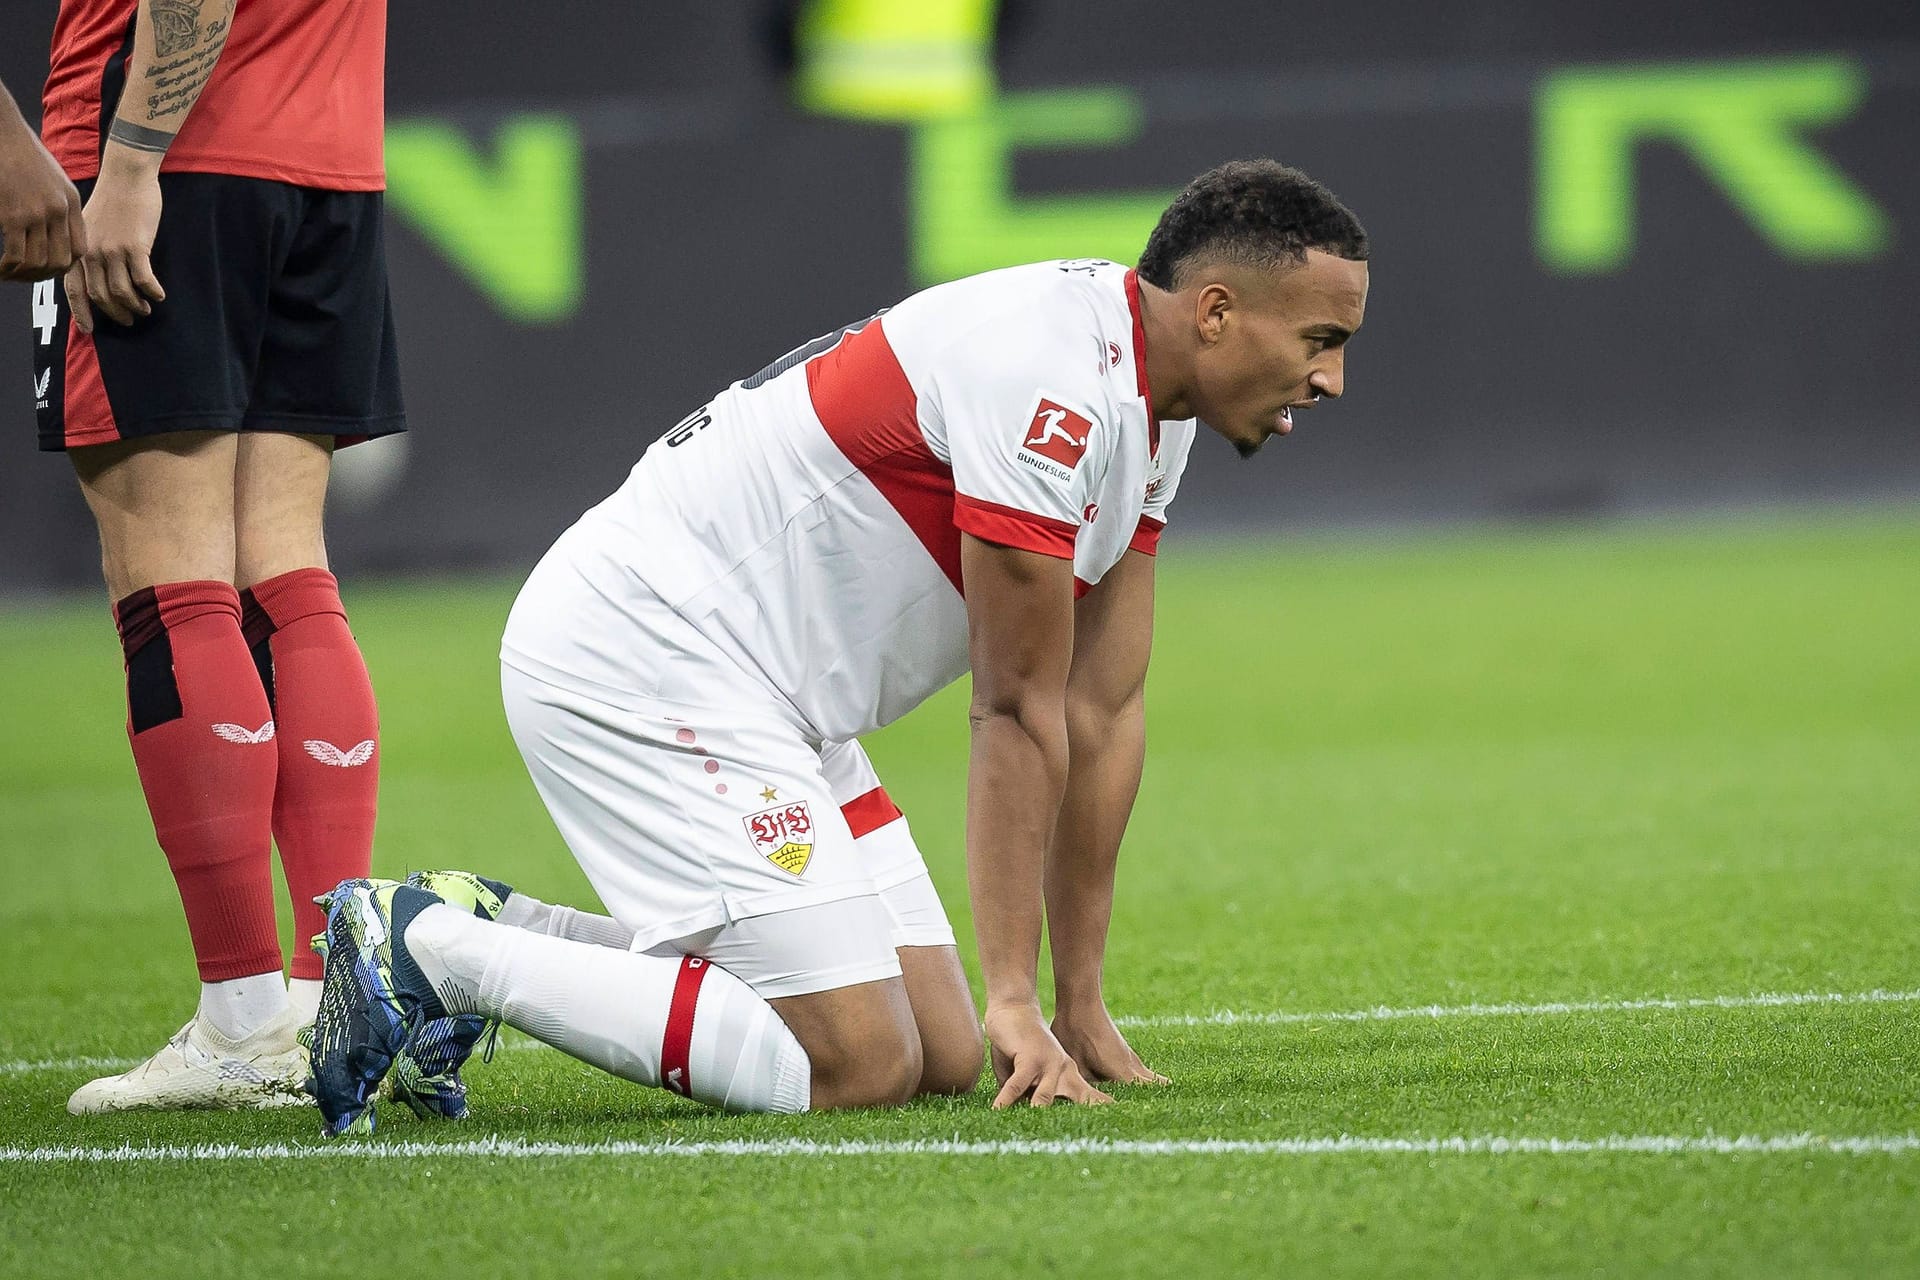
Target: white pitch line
(1230, 1018)
(30, 1066)
(1386, 1013)
(1344, 1145)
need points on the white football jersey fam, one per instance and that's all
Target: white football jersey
(808, 520)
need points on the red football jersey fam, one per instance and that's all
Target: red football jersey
(299, 94)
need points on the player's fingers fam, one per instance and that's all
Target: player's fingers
(76, 287)
(1136, 1072)
(1062, 1083)
(76, 222)
(108, 286)
(1077, 1090)
(1015, 1088)
(126, 267)
(144, 279)
(59, 246)
(33, 248)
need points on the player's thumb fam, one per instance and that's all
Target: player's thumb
(145, 281)
(76, 287)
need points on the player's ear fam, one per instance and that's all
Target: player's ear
(1211, 306)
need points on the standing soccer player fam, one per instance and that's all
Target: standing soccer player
(976, 478)
(227, 328)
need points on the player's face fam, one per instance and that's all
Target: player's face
(1274, 342)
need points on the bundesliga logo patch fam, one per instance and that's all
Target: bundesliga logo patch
(783, 835)
(1058, 434)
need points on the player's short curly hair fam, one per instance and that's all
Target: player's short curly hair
(1256, 212)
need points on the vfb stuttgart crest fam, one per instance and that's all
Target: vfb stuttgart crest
(783, 835)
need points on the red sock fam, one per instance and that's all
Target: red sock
(323, 809)
(203, 742)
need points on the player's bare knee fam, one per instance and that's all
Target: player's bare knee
(880, 1070)
(951, 1064)
(163, 505)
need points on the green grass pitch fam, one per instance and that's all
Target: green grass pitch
(1580, 767)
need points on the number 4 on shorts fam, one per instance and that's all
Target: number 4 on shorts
(45, 313)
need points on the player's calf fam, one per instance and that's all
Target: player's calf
(861, 1041)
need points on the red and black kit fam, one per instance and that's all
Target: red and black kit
(270, 246)
(277, 318)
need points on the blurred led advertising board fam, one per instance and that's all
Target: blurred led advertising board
(1602, 283)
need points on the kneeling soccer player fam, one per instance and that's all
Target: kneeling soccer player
(976, 478)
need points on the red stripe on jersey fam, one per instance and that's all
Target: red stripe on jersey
(1011, 527)
(1140, 360)
(1146, 538)
(677, 1046)
(862, 397)
(86, 416)
(869, 812)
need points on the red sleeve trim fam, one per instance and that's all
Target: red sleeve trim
(1011, 527)
(869, 812)
(1146, 538)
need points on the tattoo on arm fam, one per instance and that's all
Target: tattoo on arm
(176, 26)
(139, 137)
(186, 45)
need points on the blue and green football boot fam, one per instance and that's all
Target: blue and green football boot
(426, 1074)
(373, 998)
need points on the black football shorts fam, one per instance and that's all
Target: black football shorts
(277, 318)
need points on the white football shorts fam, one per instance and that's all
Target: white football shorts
(699, 809)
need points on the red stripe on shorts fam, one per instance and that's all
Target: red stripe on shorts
(869, 812)
(678, 1043)
(86, 417)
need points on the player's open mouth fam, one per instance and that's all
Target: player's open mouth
(1285, 421)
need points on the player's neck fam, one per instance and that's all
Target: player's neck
(1160, 314)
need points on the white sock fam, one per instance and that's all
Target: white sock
(523, 912)
(238, 1007)
(304, 995)
(618, 1010)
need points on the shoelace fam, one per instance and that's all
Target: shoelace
(492, 1042)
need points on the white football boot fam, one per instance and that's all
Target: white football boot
(200, 1069)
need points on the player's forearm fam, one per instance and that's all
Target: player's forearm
(176, 44)
(1016, 775)
(1108, 751)
(14, 133)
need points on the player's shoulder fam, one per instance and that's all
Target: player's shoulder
(1057, 319)
(1068, 295)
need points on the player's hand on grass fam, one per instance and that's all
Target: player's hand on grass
(1098, 1048)
(116, 274)
(41, 230)
(1029, 1063)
